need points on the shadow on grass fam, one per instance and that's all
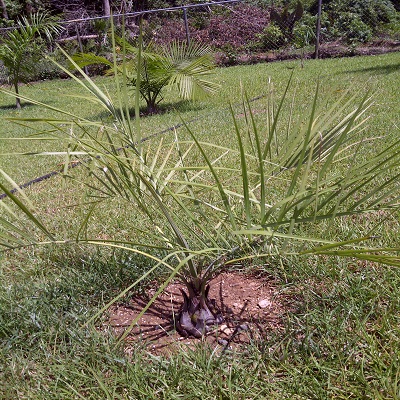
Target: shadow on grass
(379, 69)
(182, 106)
(8, 107)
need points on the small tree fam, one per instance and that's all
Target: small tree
(206, 224)
(178, 64)
(264, 196)
(287, 18)
(24, 47)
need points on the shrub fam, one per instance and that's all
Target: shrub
(228, 55)
(287, 17)
(235, 28)
(21, 51)
(350, 27)
(370, 12)
(374, 12)
(153, 68)
(304, 31)
(272, 37)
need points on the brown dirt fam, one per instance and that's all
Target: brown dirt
(327, 50)
(236, 295)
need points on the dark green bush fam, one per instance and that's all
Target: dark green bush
(370, 12)
(350, 27)
(271, 38)
(304, 31)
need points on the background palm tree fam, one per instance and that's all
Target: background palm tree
(24, 47)
(178, 64)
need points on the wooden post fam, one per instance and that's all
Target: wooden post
(318, 33)
(186, 25)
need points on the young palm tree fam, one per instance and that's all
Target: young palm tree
(288, 185)
(178, 64)
(22, 49)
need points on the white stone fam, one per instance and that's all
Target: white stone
(264, 303)
(224, 329)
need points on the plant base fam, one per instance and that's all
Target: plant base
(197, 315)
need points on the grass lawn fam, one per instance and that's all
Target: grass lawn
(340, 337)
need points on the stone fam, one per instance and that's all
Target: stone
(264, 303)
(224, 329)
(243, 327)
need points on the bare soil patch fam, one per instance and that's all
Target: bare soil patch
(252, 307)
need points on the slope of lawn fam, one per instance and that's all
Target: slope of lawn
(341, 333)
(376, 73)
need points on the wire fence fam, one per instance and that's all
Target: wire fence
(238, 31)
(96, 27)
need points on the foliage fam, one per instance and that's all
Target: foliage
(229, 55)
(177, 64)
(352, 28)
(287, 18)
(358, 20)
(79, 8)
(271, 37)
(371, 12)
(237, 27)
(350, 21)
(289, 183)
(340, 337)
(18, 8)
(24, 47)
(304, 31)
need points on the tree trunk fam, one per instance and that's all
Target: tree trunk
(3, 7)
(17, 99)
(107, 8)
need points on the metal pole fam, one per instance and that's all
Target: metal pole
(317, 39)
(186, 25)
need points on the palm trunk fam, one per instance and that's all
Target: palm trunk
(197, 314)
(17, 99)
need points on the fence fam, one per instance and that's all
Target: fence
(237, 28)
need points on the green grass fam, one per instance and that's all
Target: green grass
(341, 336)
(380, 74)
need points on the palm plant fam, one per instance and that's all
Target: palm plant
(178, 64)
(23, 48)
(290, 184)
